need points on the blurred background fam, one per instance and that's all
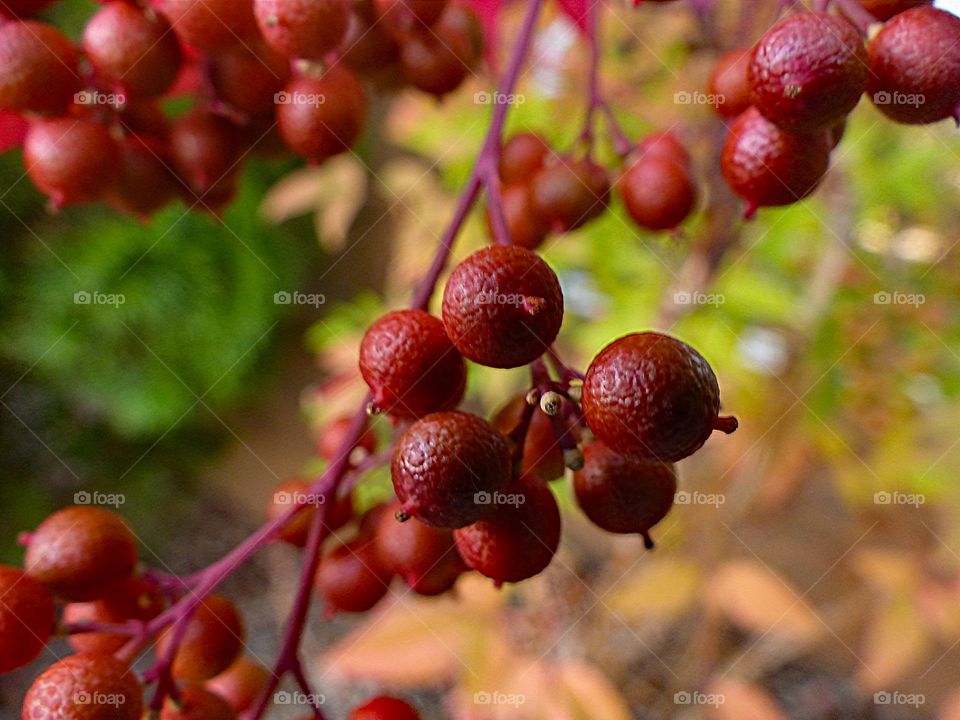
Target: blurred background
(811, 568)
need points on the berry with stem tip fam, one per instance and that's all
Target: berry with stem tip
(65, 690)
(130, 599)
(196, 703)
(302, 28)
(351, 579)
(410, 549)
(240, 684)
(212, 642)
(40, 72)
(27, 618)
(385, 707)
(444, 463)
(729, 84)
(570, 192)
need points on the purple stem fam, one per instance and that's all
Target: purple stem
(596, 101)
(856, 14)
(566, 373)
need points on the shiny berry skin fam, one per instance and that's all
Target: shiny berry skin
(405, 16)
(522, 156)
(130, 599)
(40, 72)
(658, 194)
(410, 549)
(385, 707)
(335, 433)
(438, 60)
(302, 28)
(502, 306)
(84, 687)
(411, 366)
(197, 703)
(443, 462)
(132, 50)
(622, 495)
(663, 145)
(27, 618)
(213, 641)
(569, 192)
(240, 684)
(808, 72)
(248, 78)
(323, 116)
(211, 25)
(524, 226)
(80, 551)
(768, 166)
(915, 66)
(204, 151)
(729, 84)
(651, 396)
(516, 540)
(351, 579)
(886, 9)
(542, 455)
(144, 181)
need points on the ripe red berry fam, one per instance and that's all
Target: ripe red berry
(284, 497)
(915, 66)
(212, 642)
(302, 28)
(27, 618)
(351, 578)
(322, 116)
(437, 60)
(768, 166)
(130, 599)
(658, 194)
(442, 577)
(729, 83)
(542, 455)
(335, 433)
(502, 306)
(410, 549)
(809, 71)
(411, 366)
(248, 78)
(408, 15)
(204, 149)
(569, 192)
(886, 9)
(651, 396)
(81, 552)
(522, 156)
(240, 684)
(196, 703)
(145, 181)
(368, 48)
(519, 538)
(524, 226)
(84, 687)
(385, 707)
(445, 464)
(663, 145)
(623, 495)
(39, 68)
(132, 50)
(211, 25)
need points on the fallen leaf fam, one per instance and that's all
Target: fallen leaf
(895, 642)
(662, 589)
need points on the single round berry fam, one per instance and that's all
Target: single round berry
(502, 306)
(438, 60)
(445, 465)
(351, 579)
(886, 9)
(542, 455)
(729, 84)
(623, 495)
(39, 68)
(411, 366)
(248, 78)
(385, 707)
(240, 684)
(84, 687)
(80, 552)
(212, 642)
(915, 66)
(519, 538)
(568, 193)
(768, 166)
(335, 433)
(211, 25)
(27, 618)
(302, 28)
(368, 48)
(144, 181)
(663, 145)
(130, 599)
(204, 151)
(522, 157)
(410, 549)
(651, 396)
(321, 116)
(658, 194)
(809, 71)
(524, 226)
(132, 50)
(196, 703)
(442, 577)
(408, 15)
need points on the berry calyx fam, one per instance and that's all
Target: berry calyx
(302, 28)
(27, 618)
(542, 455)
(502, 306)
(385, 707)
(658, 194)
(651, 396)
(240, 684)
(212, 642)
(84, 686)
(40, 72)
(196, 703)
(411, 549)
(351, 579)
(130, 599)
(445, 465)
(522, 156)
(569, 192)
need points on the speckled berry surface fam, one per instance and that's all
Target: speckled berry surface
(84, 687)
(26, 618)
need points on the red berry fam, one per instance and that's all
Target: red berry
(302, 28)
(351, 578)
(213, 641)
(144, 182)
(651, 396)
(408, 15)
(542, 455)
(570, 192)
(658, 194)
(385, 707)
(240, 684)
(729, 83)
(248, 78)
(27, 618)
(768, 166)
(84, 687)
(502, 306)
(284, 497)
(437, 60)
(335, 433)
(130, 599)
(411, 366)
(204, 149)
(519, 538)
(915, 66)
(663, 145)
(442, 577)
(524, 226)
(38, 68)
(80, 552)
(132, 50)
(196, 703)
(886, 9)
(322, 116)
(622, 495)
(211, 25)
(445, 464)
(522, 156)
(410, 549)
(368, 48)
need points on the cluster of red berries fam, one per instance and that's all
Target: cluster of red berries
(268, 76)
(790, 94)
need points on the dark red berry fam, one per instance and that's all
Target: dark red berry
(663, 145)
(27, 618)
(524, 226)
(385, 707)
(145, 181)
(205, 152)
(211, 25)
(213, 641)
(768, 166)
(335, 433)
(351, 578)
(651, 396)
(522, 157)
(502, 306)
(410, 549)
(24, 8)
(542, 455)
(248, 78)
(915, 66)
(623, 495)
(196, 703)
(302, 28)
(408, 15)
(519, 538)
(658, 194)
(569, 192)
(130, 599)
(442, 577)
(445, 464)
(729, 83)
(84, 687)
(411, 366)
(81, 552)
(38, 68)
(240, 684)
(369, 49)
(886, 9)
(437, 60)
